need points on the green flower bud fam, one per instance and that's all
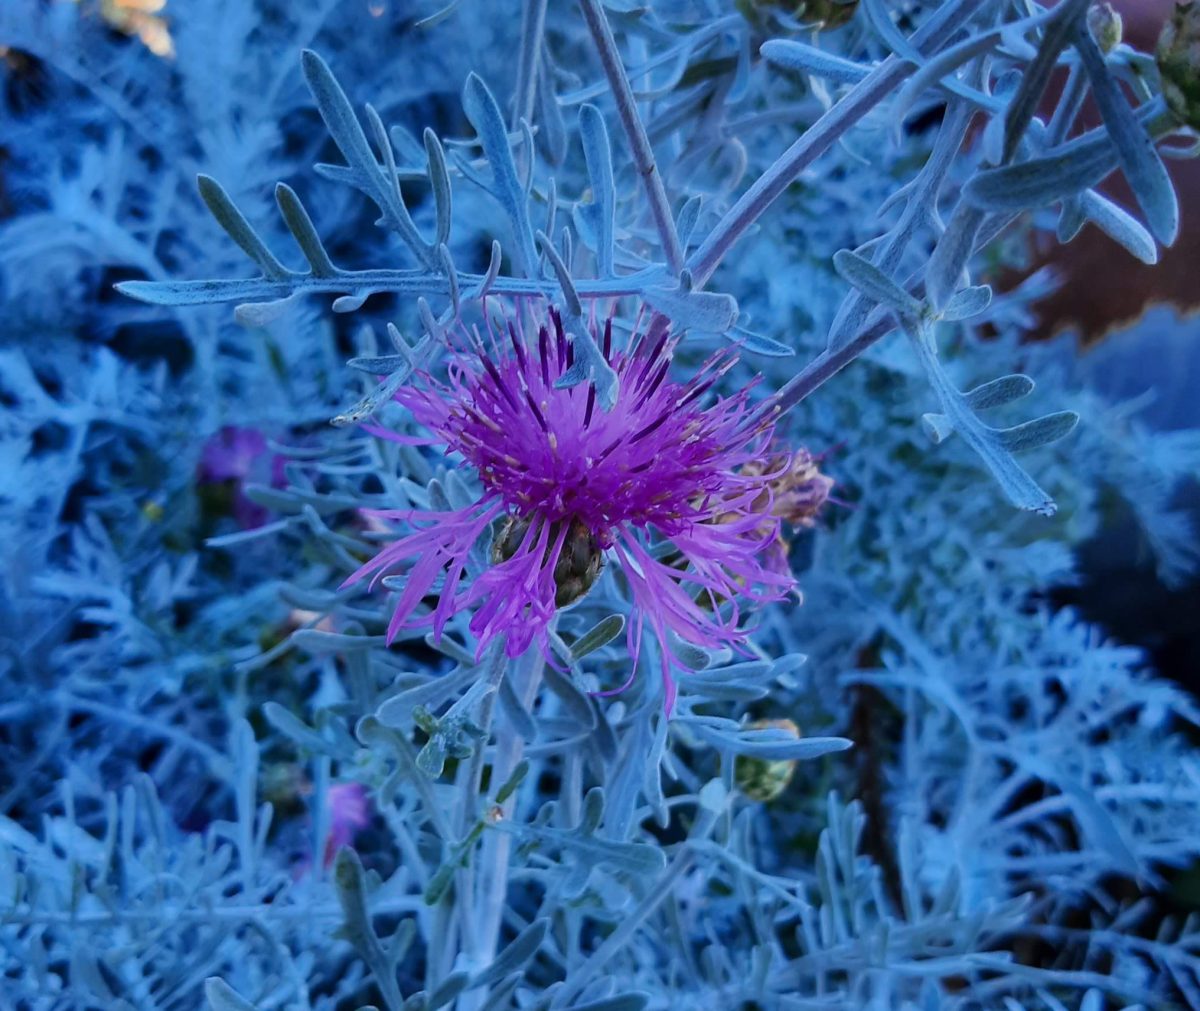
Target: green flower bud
(579, 562)
(1178, 60)
(1106, 26)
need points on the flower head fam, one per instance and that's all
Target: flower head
(237, 457)
(349, 813)
(567, 485)
(798, 492)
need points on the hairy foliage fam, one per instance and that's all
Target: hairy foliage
(220, 782)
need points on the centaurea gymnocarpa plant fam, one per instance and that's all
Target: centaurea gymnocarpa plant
(521, 841)
(566, 481)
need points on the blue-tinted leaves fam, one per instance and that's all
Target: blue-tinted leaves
(481, 109)
(880, 19)
(944, 63)
(1037, 75)
(574, 700)
(811, 60)
(590, 365)
(997, 392)
(598, 636)
(1138, 157)
(239, 229)
(301, 227)
(439, 179)
(398, 368)
(516, 955)
(945, 268)
(875, 284)
(1072, 168)
(601, 210)
(741, 682)
(201, 292)
(1039, 432)
(706, 311)
(1118, 224)
(967, 303)
(380, 184)
(222, 997)
(767, 743)
(380, 395)
(351, 883)
(938, 427)
(252, 314)
(384, 364)
(1037, 182)
(518, 716)
(994, 446)
(509, 786)
(453, 735)
(334, 741)
(587, 850)
(623, 1002)
(758, 344)
(572, 305)
(443, 993)
(552, 138)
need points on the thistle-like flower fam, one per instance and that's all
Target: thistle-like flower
(567, 485)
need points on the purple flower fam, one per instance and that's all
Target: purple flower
(349, 813)
(240, 456)
(568, 484)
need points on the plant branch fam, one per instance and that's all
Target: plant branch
(879, 324)
(635, 132)
(820, 137)
(533, 27)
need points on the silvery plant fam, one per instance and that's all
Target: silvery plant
(597, 552)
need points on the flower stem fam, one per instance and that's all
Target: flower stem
(497, 846)
(635, 132)
(446, 916)
(533, 26)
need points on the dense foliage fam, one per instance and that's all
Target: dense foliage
(232, 774)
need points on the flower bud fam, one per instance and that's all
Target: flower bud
(800, 489)
(1178, 58)
(284, 786)
(579, 562)
(1105, 25)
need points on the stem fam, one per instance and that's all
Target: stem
(627, 928)
(374, 281)
(706, 820)
(820, 137)
(447, 922)
(1067, 111)
(470, 775)
(919, 209)
(497, 845)
(879, 324)
(635, 132)
(533, 27)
